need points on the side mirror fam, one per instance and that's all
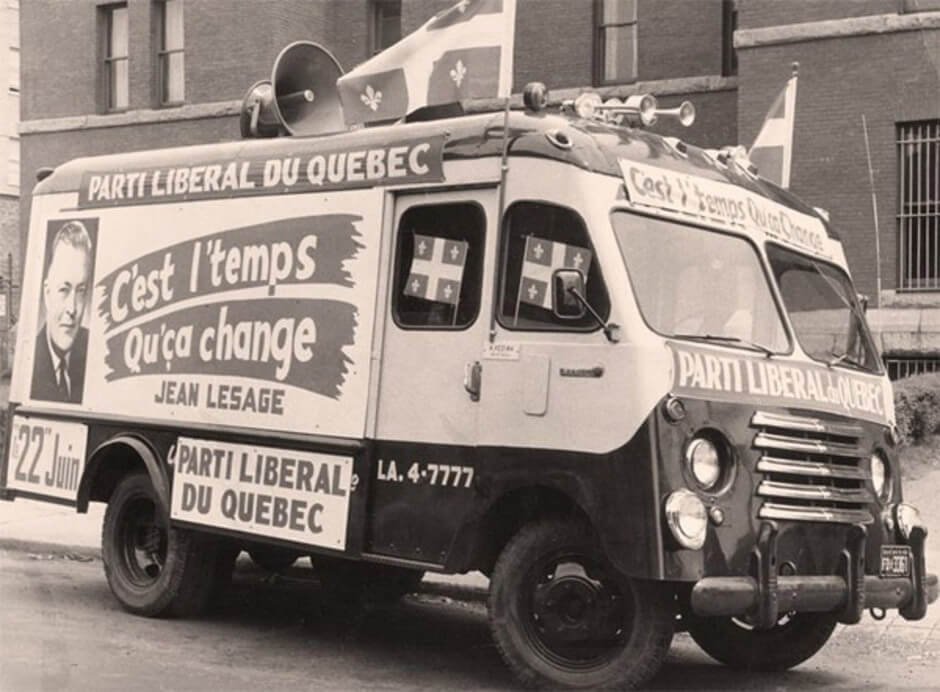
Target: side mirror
(567, 284)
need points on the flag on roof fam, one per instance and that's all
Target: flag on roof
(542, 258)
(772, 149)
(464, 52)
(436, 269)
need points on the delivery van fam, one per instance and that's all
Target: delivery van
(623, 376)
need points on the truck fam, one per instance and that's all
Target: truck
(623, 376)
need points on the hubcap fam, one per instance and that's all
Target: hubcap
(143, 542)
(577, 612)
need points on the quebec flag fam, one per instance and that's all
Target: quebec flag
(464, 52)
(772, 150)
(542, 258)
(437, 269)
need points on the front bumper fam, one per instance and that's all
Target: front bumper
(765, 595)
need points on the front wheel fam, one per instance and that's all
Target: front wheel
(794, 639)
(562, 616)
(152, 568)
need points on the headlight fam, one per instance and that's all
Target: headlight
(879, 476)
(704, 462)
(687, 519)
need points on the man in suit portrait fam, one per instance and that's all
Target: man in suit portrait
(61, 344)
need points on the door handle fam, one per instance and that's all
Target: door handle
(472, 376)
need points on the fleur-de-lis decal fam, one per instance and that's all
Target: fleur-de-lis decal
(372, 98)
(458, 73)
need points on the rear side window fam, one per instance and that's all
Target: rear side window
(438, 266)
(539, 239)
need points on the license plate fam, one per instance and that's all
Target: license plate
(896, 561)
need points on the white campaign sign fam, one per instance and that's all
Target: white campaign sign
(292, 495)
(215, 312)
(47, 457)
(726, 204)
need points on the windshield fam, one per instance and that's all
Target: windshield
(824, 310)
(698, 284)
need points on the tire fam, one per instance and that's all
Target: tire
(350, 583)
(152, 568)
(272, 558)
(795, 638)
(562, 616)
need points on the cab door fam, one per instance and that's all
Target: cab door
(437, 316)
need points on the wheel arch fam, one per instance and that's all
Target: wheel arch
(115, 458)
(511, 510)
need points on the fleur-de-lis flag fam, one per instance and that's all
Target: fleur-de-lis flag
(464, 52)
(542, 258)
(436, 269)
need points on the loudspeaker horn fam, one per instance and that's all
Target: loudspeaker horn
(258, 115)
(306, 101)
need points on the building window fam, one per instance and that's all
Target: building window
(729, 24)
(439, 266)
(14, 84)
(919, 205)
(13, 162)
(386, 24)
(115, 56)
(908, 6)
(900, 367)
(615, 41)
(171, 55)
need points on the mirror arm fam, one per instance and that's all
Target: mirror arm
(611, 330)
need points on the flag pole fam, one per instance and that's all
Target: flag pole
(501, 207)
(874, 211)
(525, 253)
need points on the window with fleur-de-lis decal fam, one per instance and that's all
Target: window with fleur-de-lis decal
(439, 265)
(538, 240)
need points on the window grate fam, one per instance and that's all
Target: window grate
(919, 205)
(899, 368)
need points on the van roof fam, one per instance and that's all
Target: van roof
(594, 146)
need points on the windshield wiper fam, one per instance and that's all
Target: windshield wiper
(727, 339)
(845, 359)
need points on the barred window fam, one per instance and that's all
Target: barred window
(900, 367)
(615, 41)
(171, 52)
(919, 205)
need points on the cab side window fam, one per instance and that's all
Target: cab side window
(439, 266)
(539, 239)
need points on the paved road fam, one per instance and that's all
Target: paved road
(60, 629)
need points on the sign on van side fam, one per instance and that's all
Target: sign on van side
(233, 313)
(309, 167)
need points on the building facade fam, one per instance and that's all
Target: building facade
(100, 76)
(9, 169)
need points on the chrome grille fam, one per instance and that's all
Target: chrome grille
(813, 470)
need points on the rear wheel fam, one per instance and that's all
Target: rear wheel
(795, 638)
(152, 568)
(562, 616)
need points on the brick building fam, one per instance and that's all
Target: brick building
(102, 76)
(10, 167)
